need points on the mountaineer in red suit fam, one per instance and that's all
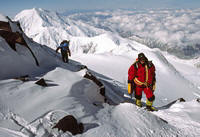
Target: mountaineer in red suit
(141, 77)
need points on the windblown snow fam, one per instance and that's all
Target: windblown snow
(27, 109)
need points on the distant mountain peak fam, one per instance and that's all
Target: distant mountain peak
(50, 28)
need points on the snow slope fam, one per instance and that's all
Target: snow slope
(171, 84)
(15, 64)
(183, 116)
(44, 106)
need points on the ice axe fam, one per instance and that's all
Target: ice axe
(128, 96)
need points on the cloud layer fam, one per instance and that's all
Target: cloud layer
(174, 28)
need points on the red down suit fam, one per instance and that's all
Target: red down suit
(142, 78)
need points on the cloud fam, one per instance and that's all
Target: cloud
(176, 28)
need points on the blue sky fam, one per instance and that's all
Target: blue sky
(12, 7)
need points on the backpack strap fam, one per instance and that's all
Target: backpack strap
(135, 64)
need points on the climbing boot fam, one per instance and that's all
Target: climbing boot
(149, 106)
(138, 103)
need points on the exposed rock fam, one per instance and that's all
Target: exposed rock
(181, 99)
(89, 75)
(14, 37)
(23, 78)
(41, 82)
(69, 123)
(83, 67)
(5, 26)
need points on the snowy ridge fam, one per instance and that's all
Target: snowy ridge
(104, 43)
(50, 28)
(15, 64)
(22, 62)
(186, 111)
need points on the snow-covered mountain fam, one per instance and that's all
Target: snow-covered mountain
(50, 28)
(27, 109)
(170, 30)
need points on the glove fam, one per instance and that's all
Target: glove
(130, 91)
(154, 87)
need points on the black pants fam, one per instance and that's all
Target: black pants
(64, 56)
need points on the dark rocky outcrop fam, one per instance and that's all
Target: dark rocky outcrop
(89, 75)
(14, 37)
(5, 26)
(181, 99)
(41, 82)
(69, 123)
(198, 100)
(23, 78)
(81, 67)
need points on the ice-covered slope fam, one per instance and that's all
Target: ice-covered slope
(21, 103)
(15, 64)
(171, 84)
(183, 116)
(34, 109)
(21, 62)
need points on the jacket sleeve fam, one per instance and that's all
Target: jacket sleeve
(57, 49)
(131, 74)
